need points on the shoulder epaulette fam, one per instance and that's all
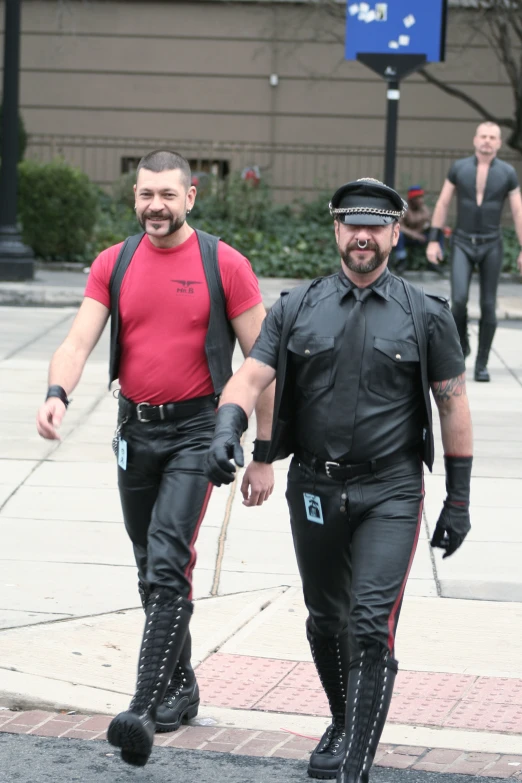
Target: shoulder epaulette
(437, 296)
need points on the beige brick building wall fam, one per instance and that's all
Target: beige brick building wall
(104, 80)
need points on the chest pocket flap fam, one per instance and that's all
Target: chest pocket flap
(309, 346)
(312, 358)
(397, 350)
(395, 369)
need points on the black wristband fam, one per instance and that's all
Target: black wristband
(261, 449)
(435, 234)
(58, 391)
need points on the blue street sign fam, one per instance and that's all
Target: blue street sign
(396, 27)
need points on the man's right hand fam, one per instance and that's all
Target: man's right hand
(49, 417)
(434, 253)
(231, 422)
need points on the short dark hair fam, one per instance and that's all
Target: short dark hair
(166, 160)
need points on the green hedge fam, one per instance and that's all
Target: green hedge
(58, 208)
(295, 240)
(65, 217)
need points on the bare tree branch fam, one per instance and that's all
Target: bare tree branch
(506, 122)
(498, 23)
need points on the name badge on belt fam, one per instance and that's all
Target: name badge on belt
(314, 511)
(122, 453)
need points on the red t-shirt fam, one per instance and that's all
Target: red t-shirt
(164, 312)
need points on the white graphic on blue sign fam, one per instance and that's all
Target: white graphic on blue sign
(314, 511)
(407, 26)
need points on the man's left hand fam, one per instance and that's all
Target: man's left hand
(257, 484)
(519, 262)
(452, 528)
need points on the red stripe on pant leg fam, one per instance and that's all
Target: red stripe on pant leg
(193, 555)
(391, 620)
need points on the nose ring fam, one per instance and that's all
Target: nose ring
(362, 245)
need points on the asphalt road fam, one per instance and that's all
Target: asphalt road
(26, 759)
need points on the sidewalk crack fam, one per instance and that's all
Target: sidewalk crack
(432, 554)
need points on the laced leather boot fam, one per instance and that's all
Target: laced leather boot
(486, 335)
(166, 625)
(181, 700)
(332, 659)
(370, 688)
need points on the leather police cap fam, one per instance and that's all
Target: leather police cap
(367, 202)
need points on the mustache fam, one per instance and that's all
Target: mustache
(157, 215)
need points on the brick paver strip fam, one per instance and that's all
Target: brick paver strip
(410, 750)
(441, 756)
(280, 744)
(461, 701)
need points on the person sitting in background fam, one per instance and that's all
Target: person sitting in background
(414, 227)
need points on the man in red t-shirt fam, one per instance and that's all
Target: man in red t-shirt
(166, 418)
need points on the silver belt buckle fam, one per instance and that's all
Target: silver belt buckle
(473, 240)
(328, 466)
(139, 411)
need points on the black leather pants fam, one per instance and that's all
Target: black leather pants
(164, 496)
(355, 565)
(488, 260)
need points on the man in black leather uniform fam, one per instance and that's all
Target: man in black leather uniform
(355, 355)
(482, 183)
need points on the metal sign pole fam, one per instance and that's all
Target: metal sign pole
(395, 39)
(392, 117)
(392, 68)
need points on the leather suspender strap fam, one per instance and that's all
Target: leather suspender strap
(417, 302)
(280, 445)
(220, 341)
(118, 273)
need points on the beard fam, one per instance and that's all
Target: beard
(369, 264)
(174, 224)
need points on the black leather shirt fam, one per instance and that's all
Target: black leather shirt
(389, 410)
(502, 179)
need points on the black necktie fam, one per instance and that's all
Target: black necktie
(341, 419)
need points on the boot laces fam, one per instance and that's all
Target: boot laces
(335, 733)
(154, 653)
(177, 683)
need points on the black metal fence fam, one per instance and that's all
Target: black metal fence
(292, 170)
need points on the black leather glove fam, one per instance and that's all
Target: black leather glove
(454, 524)
(231, 422)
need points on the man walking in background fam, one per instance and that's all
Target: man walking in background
(414, 227)
(482, 183)
(177, 304)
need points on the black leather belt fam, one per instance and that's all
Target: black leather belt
(145, 412)
(477, 239)
(340, 471)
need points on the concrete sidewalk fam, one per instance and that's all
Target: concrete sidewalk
(69, 610)
(64, 288)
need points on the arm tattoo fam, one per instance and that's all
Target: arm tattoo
(260, 363)
(443, 391)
